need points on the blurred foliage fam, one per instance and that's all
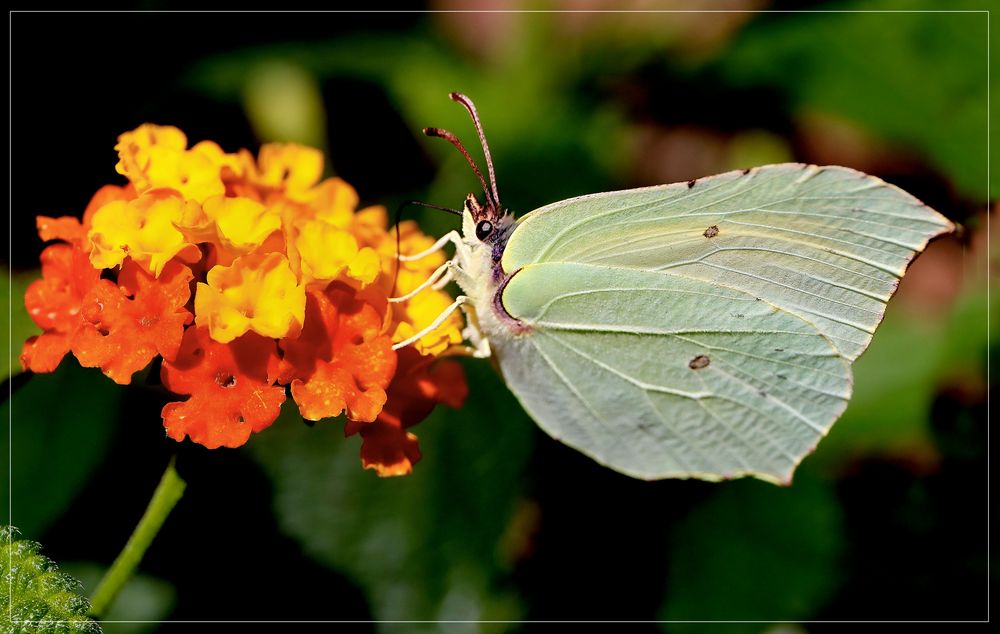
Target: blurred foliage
(61, 426)
(423, 546)
(892, 73)
(284, 103)
(729, 561)
(35, 596)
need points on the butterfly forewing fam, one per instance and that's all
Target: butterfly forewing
(826, 243)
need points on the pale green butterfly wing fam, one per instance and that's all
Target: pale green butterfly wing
(778, 277)
(827, 243)
(657, 375)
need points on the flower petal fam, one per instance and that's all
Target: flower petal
(258, 292)
(341, 361)
(54, 304)
(231, 387)
(144, 229)
(133, 321)
(419, 384)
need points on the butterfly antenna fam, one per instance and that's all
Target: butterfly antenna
(399, 215)
(451, 138)
(465, 101)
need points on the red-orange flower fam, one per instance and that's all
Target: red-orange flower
(54, 303)
(342, 360)
(132, 321)
(420, 383)
(231, 386)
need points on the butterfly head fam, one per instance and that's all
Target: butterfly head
(489, 223)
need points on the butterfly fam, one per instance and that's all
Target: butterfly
(703, 329)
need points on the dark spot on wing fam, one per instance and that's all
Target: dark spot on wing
(762, 393)
(781, 376)
(691, 183)
(779, 349)
(747, 171)
(711, 232)
(699, 362)
(739, 315)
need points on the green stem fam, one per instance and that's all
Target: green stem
(168, 493)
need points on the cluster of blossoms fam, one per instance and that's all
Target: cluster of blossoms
(250, 277)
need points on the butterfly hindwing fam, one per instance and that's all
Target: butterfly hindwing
(657, 375)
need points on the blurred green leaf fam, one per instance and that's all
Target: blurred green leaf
(36, 593)
(918, 78)
(755, 551)
(424, 546)
(61, 427)
(284, 104)
(143, 598)
(21, 327)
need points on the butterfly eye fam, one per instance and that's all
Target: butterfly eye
(484, 229)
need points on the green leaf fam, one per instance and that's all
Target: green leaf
(890, 72)
(12, 287)
(62, 425)
(37, 597)
(754, 551)
(423, 546)
(284, 104)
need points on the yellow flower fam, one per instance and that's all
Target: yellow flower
(369, 224)
(258, 292)
(333, 201)
(292, 169)
(325, 252)
(154, 156)
(143, 229)
(242, 224)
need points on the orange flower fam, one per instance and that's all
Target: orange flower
(342, 361)
(54, 304)
(289, 285)
(133, 321)
(420, 383)
(231, 386)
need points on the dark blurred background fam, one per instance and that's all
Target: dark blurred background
(887, 520)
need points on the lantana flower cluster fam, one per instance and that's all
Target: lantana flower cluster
(252, 278)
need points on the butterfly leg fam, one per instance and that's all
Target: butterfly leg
(480, 347)
(440, 319)
(452, 237)
(437, 280)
